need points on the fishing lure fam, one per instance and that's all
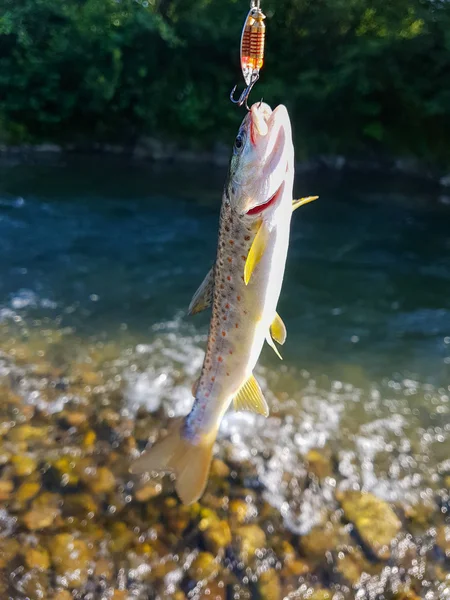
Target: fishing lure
(252, 51)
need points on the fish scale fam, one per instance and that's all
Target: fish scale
(221, 373)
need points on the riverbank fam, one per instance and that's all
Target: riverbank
(155, 151)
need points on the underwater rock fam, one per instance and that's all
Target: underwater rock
(37, 558)
(26, 491)
(74, 418)
(70, 559)
(28, 433)
(249, 539)
(80, 505)
(9, 549)
(319, 541)
(376, 522)
(176, 516)
(293, 565)
(296, 568)
(119, 595)
(65, 471)
(443, 539)
(99, 480)
(268, 585)
(204, 566)
(104, 568)
(405, 594)
(6, 488)
(62, 595)
(238, 510)
(420, 514)
(45, 509)
(217, 537)
(321, 594)
(318, 463)
(5, 456)
(24, 464)
(351, 564)
(219, 469)
(148, 491)
(211, 590)
(86, 375)
(32, 584)
(121, 537)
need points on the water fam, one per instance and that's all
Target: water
(103, 257)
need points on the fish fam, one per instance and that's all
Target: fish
(243, 287)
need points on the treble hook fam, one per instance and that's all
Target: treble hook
(243, 98)
(252, 51)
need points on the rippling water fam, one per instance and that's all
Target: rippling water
(104, 257)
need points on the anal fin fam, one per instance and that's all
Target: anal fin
(250, 397)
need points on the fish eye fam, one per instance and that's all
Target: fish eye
(239, 141)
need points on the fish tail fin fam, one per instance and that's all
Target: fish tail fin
(190, 462)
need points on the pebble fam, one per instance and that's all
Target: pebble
(37, 558)
(70, 559)
(376, 522)
(204, 566)
(217, 537)
(249, 539)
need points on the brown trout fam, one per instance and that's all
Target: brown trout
(243, 287)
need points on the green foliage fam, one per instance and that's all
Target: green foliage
(356, 75)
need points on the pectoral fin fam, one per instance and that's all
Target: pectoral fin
(301, 201)
(256, 251)
(271, 343)
(204, 295)
(250, 397)
(278, 330)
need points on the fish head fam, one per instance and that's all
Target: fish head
(262, 163)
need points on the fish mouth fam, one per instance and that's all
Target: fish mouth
(256, 210)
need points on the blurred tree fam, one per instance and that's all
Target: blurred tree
(356, 75)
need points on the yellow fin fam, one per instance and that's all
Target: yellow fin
(256, 251)
(271, 343)
(301, 201)
(250, 397)
(204, 295)
(190, 462)
(278, 329)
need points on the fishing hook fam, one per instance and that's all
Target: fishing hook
(243, 98)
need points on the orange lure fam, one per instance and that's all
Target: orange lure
(252, 50)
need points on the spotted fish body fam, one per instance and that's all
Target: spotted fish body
(243, 287)
(241, 314)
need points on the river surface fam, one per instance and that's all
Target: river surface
(106, 256)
